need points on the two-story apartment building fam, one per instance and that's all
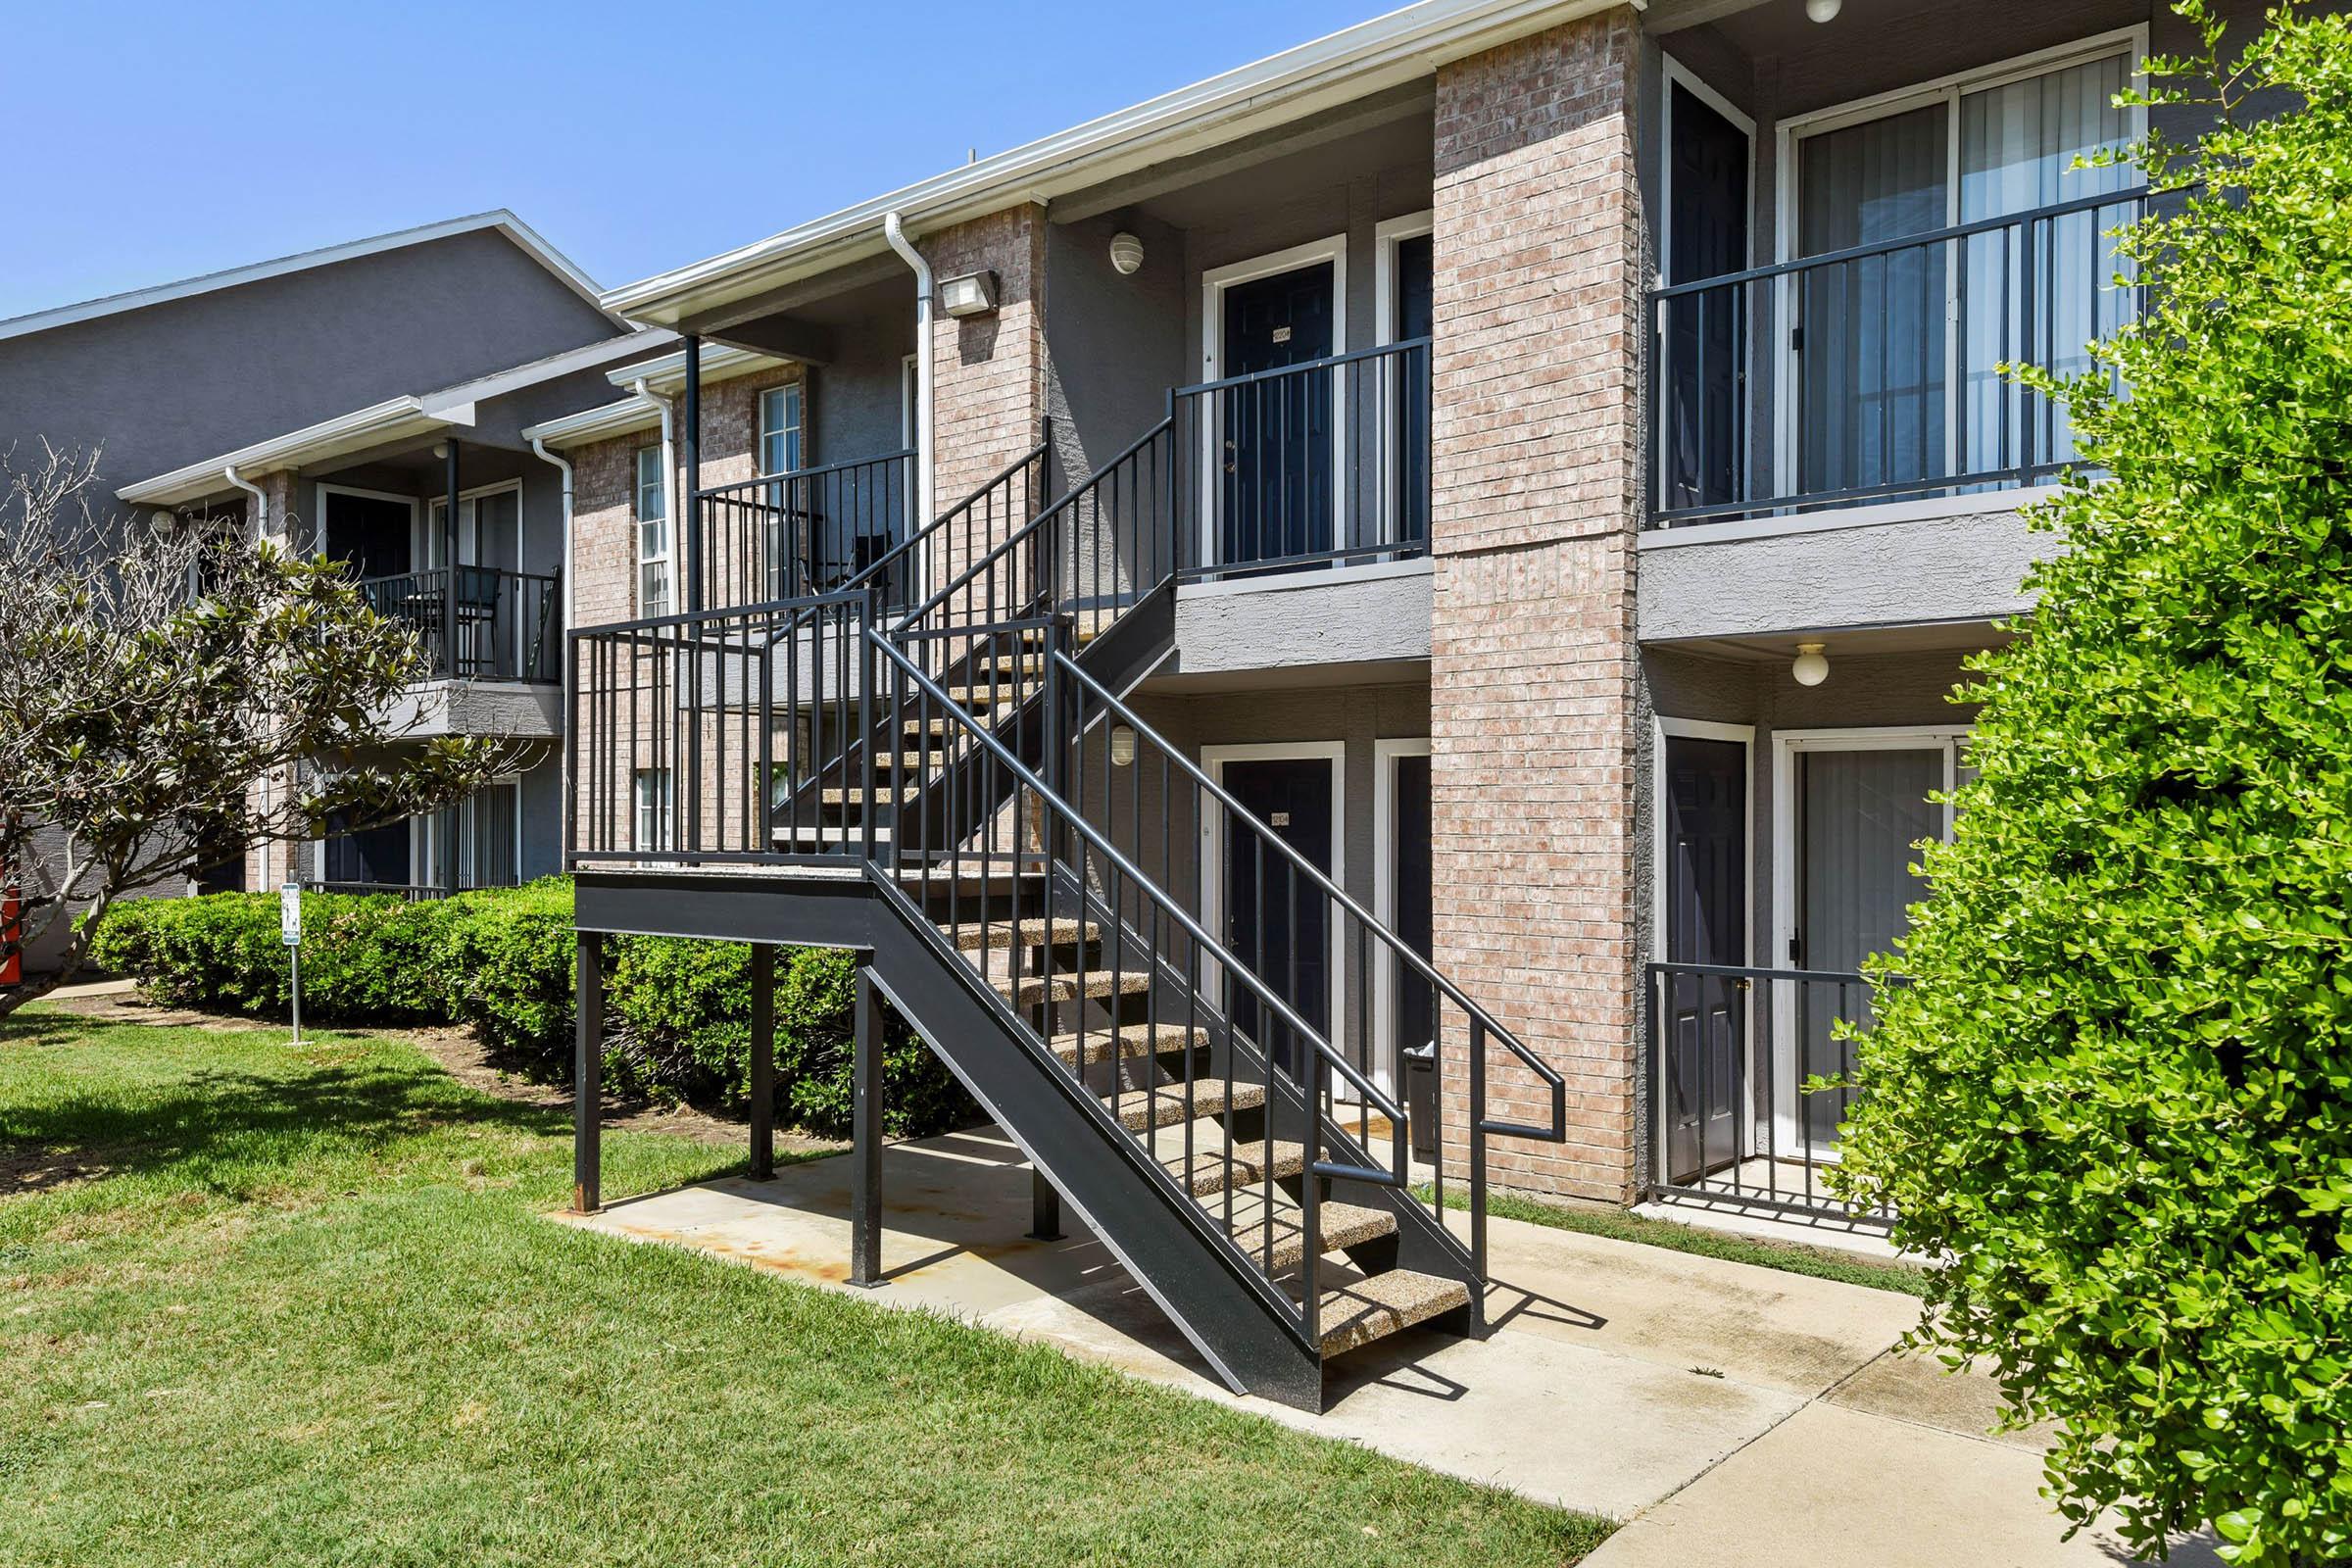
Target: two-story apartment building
(1380, 623)
(210, 394)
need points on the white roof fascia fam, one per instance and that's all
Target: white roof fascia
(666, 375)
(393, 420)
(625, 417)
(1347, 65)
(588, 357)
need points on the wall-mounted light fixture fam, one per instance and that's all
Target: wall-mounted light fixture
(1810, 667)
(968, 294)
(1126, 254)
(1122, 746)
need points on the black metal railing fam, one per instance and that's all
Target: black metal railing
(962, 535)
(1107, 954)
(1873, 373)
(809, 531)
(409, 892)
(1729, 1052)
(718, 736)
(1363, 988)
(1310, 464)
(478, 622)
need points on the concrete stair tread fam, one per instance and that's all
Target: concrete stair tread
(1163, 1104)
(1026, 933)
(1030, 990)
(819, 833)
(1344, 1225)
(1132, 1040)
(1373, 1308)
(1251, 1164)
(860, 795)
(937, 725)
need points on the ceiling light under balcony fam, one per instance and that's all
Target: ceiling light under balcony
(1811, 666)
(1824, 10)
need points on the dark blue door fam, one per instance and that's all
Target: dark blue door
(1276, 921)
(1275, 459)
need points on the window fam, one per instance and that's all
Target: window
(1896, 356)
(654, 814)
(652, 535)
(489, 839)
(780, 429)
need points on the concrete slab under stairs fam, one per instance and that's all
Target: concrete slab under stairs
(1730, 1412)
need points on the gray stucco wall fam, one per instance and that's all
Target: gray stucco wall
(857, 402)
(179, 381)
(1114, 345)
(1964, 565)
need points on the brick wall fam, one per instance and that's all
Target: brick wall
(1535, 473)
(989, 371)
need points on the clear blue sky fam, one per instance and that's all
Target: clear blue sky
(153, 141)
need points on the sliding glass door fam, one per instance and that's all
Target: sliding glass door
(1895, 354)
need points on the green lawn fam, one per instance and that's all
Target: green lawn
(276, 1307)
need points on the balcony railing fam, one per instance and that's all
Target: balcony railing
(1728, 1052)
(809, 531)
(1873, 373)
(478, 623)
(1310, 464)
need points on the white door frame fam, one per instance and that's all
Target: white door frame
(423, 543)
(1381, 1055)
(1214, 281)
(1785, 745)
(1676, 75)
(1212, 854)
(323, 489)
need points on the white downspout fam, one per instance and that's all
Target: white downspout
(562, 466)
(895, 231)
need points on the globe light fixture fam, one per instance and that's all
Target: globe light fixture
(1809, 666)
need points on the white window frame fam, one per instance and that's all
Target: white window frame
(798, 389)
(1951, 739)
(1212, 857)
(638, 521)
(1382, 1059)
(1214, 281)
(663, 805)
(1948, 89)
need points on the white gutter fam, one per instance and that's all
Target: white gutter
(260, 502)
(895, 231)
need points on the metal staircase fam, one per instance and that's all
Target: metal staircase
(930, 782)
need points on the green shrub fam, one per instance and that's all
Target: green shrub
(2117, 1091)
(501, 961)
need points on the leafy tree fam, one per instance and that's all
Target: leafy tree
(150, 675)
(2114, 1092)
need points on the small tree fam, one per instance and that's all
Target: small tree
(2115, 1093)
(149, 676)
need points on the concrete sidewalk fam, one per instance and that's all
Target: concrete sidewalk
(1726, 1413)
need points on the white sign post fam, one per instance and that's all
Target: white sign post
(289, 931)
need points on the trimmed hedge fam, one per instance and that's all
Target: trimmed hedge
(500, 961)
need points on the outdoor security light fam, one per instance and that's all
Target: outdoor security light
(971, 294)
(1126, 254)
(1122, 746)
(1810, 667)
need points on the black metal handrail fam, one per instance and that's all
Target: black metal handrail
(710, 736)
(1721, 450)
(806, 531)
(1096, 710)
(1730, 1047)
(1012, 492)
(914, 697)
(1316, 464)
(476, 623)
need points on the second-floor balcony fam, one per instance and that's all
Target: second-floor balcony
(482, 623)
(1874, 372)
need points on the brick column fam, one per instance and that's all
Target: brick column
(1535, 474)
(989, 371)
